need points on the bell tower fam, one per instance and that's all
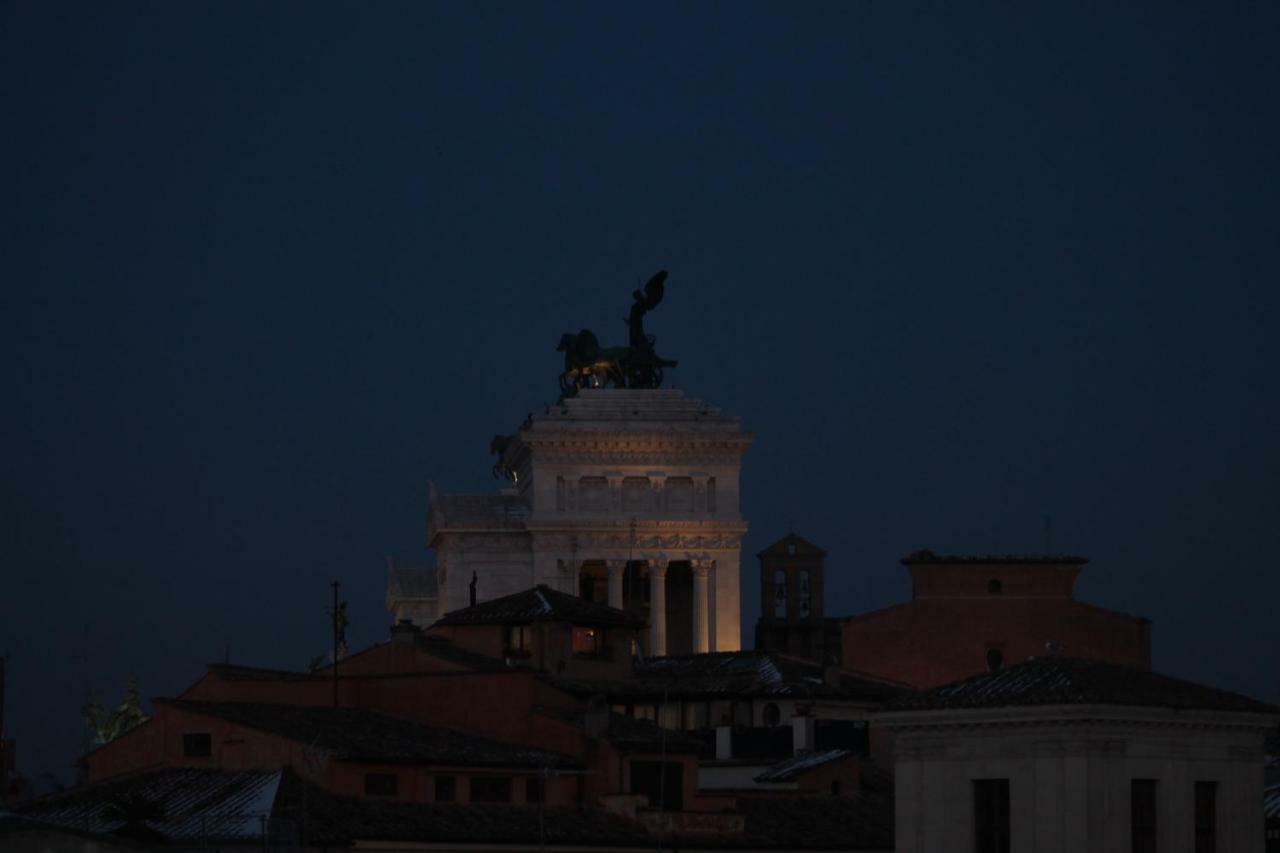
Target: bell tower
(791, 591)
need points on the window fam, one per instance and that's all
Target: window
(695, 714)
(994, 586)
(490, 789)
(662, 782)
(711, 494)
(517, 640)
(804, 594)
(446, 789)
(1142, 815)
(679, 494)
(586, 641)
(995, 660)
(791, 549)
(771, 715)
(1206, 817)
(561, 492)
(835, 787)
(197, 745)
(780, 594)
(637, 496)
(381, 784)
(593, 494)
(991, 815)
(533, 790)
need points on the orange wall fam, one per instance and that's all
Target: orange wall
(235, 747)
(932, 641)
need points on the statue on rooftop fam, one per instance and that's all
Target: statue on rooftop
(588, 365)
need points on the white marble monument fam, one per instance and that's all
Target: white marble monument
(626, 496)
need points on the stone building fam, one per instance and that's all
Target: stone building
(792, 586)
(1058, 755)
(623, 496)
(969, 614)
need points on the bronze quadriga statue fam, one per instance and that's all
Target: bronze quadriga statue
(589, 365)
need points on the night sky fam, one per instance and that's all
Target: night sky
(269, 268)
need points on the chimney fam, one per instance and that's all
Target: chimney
(724, 743)
(404, 632)
(801, 734)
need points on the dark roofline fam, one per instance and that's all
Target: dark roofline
(234, 670)
(927, 557)
(779, 547)
(588, 613)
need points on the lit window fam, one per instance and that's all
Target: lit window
(586, 641)
(518, 639)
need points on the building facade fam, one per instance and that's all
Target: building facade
(792, 587)
(627, 497)
(970, 614)
(1058, 755)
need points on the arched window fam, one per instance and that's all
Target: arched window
(995, 660)
(994, 586)
(804, 595)
(780, 594)
(771, 715)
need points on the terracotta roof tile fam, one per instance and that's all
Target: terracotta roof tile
(1073, 681)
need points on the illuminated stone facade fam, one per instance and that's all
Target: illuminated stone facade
(629, 497)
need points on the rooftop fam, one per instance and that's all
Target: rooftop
(357, 734)
(190, 805)
(796, 766)
(541, 604)
(742, 673)
(1073, 681)
(926, 557)
(784, 546)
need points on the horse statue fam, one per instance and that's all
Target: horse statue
(588, 365)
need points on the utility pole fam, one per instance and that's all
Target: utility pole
(335, 586)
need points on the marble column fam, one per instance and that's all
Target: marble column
(616, 570)
(657, 606)
(701, 605)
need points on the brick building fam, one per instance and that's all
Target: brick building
(970, 614)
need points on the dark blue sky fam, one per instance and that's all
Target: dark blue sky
(269, 268)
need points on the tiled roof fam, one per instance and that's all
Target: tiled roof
(861, 822)
(358, 734)
(197, 805)
(1072, 681)
(235, 672)
(803, 547)
(737, 674)
(797, 765)
(631, 733)
(926, 556)
(540, 604)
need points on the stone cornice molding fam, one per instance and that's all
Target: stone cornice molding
(1073, 715)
